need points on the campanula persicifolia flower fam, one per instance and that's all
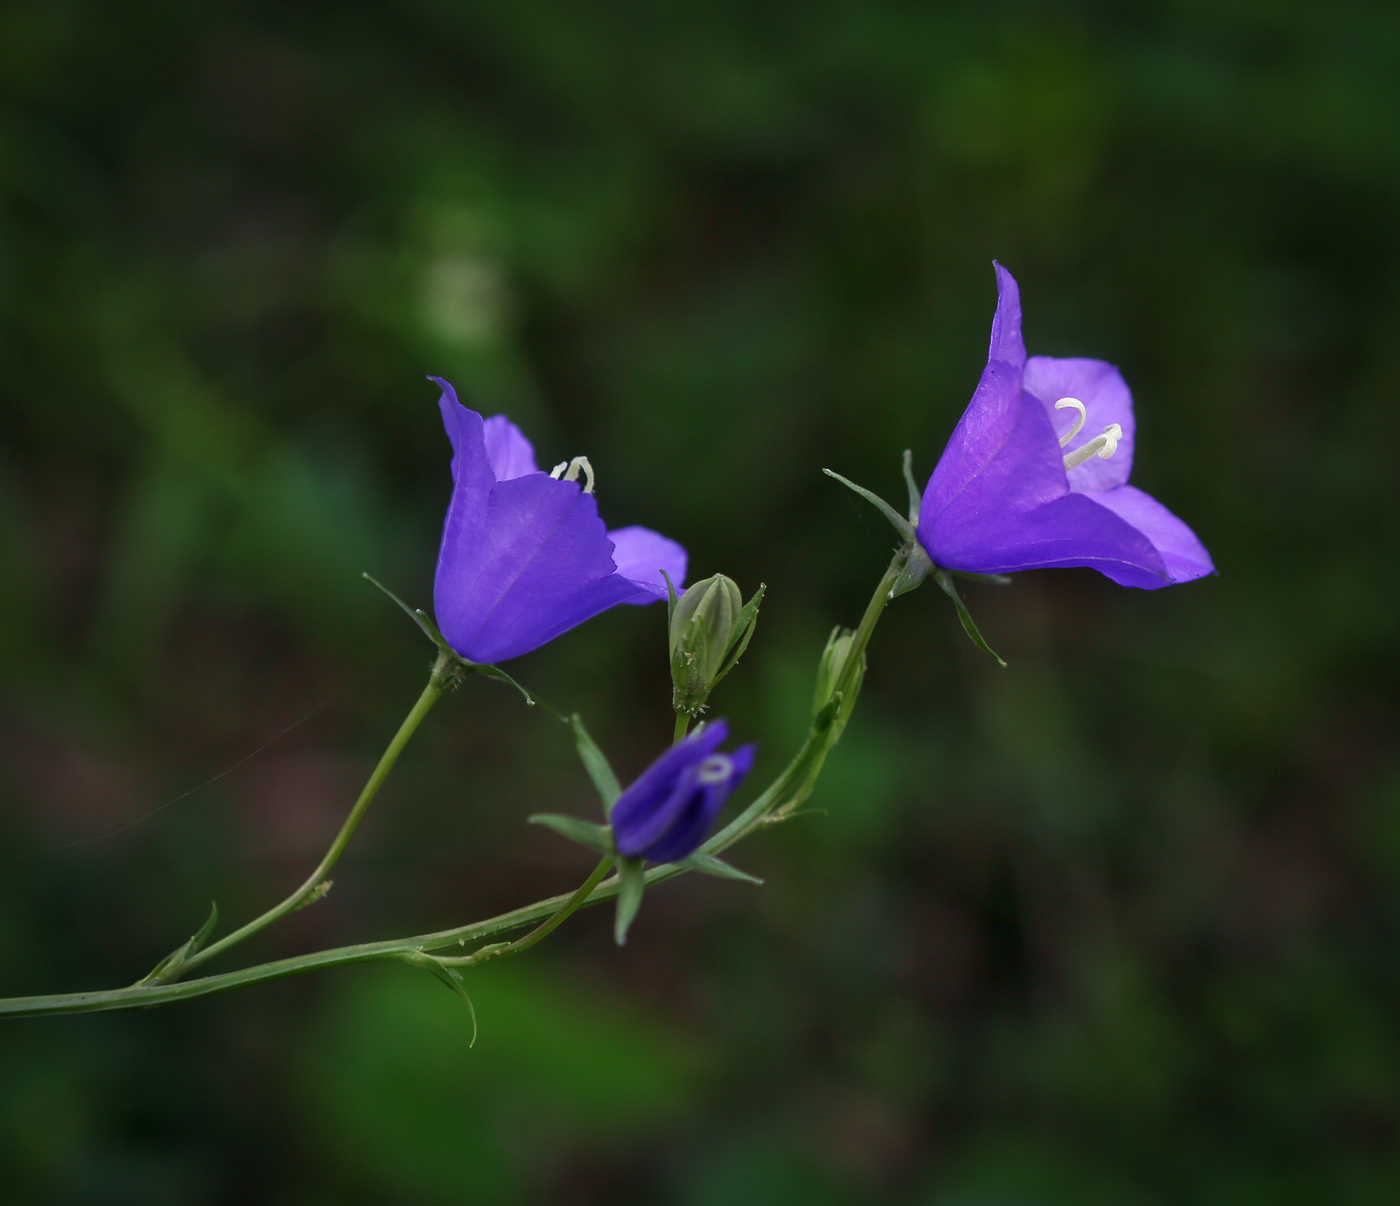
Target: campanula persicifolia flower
(668, 811)
(1035, 474)
(524, 555)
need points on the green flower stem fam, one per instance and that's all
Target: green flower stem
(437, 683)
(682, 724)
(570, 906)
(784, 795)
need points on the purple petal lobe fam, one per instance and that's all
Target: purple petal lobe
(462, 530)
(510, 453)
(1106, 398)
(1184, 556)
(1006, 343)
(991, 416)
(640, 555)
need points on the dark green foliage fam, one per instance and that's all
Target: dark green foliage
(1115, 925)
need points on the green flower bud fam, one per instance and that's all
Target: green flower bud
(831, 666)
(706, 624)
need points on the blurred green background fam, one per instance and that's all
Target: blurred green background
(1119, 925)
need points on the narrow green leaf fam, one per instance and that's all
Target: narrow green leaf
(585, 833)
(596, 763)
(950, 589)
(915, 498)
(708, 864)
(630, 883)
(169, 967)
(901, 525)
(202, 936)
(446, 975)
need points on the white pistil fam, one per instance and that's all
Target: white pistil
(571, 470)
(1065, 403)
(717, 768)
(1101, 446)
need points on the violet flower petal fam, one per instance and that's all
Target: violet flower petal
(991, 416)
(510, 453)
(640, 555)
(1107, 399)
(1181, 551)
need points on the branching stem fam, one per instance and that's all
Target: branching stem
(782, 797)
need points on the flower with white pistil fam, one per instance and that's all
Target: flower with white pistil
(524, 555)
(1005, 496)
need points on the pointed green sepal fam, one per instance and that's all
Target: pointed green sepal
(585, 833)
(445, 975)
(670, 599)
(990, 579)
(901, 525)
(434, 634)
(915, 499)
(171, 966)
(917, 567)
(708, 864)
(486, 670)
(596, 763)
(950, 589)
(630, 883)
(743, 630)
(417, 615)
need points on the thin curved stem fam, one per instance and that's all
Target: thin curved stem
(791, 787)
(540, 932)
(316, 883)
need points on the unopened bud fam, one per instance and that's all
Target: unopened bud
(709, 621)
(832, 666)
(702, 630)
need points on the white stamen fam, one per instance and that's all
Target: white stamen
(1101, 446)
(1062, 404)
(717, 768)
(581, 462)
(571, 469)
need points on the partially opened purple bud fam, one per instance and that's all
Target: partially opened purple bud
(1035, 474)
(524, 555)
(668, 811)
